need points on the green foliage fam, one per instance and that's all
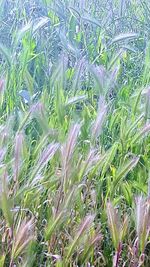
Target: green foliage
(74, 133)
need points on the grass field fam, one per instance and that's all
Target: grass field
(74, 133)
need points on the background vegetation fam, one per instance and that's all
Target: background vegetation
(74, 133)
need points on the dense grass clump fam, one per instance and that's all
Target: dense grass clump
(74, 133)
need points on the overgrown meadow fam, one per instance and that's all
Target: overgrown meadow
(74, 133)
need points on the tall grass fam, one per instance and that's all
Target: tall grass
(74, 133)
